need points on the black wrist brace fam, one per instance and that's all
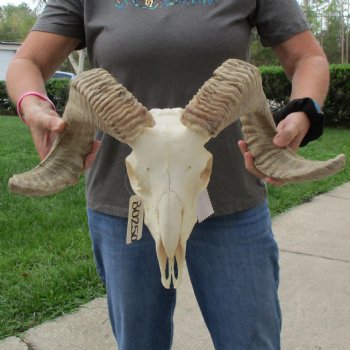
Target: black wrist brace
(313, 112)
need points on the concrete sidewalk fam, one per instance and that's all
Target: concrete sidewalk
(314, 240)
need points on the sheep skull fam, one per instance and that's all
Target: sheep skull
(169, 165)
(168, 168)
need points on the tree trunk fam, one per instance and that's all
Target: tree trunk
(78, 65)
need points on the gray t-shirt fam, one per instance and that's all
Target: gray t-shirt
(163, 51)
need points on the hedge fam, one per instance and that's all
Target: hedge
(276, 86)
(337, 105)
(57, 91)
(6, 107)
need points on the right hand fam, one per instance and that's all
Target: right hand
(45, 125)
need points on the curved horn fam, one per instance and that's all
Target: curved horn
(96, 101)
(235, 91)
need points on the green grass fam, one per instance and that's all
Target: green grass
(46, 263)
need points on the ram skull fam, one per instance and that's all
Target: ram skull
(169, 183)
(169, 165)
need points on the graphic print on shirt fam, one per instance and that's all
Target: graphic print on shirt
(154, 4)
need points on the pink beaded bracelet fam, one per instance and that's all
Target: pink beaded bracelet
(32, 93)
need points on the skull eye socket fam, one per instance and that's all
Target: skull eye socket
(131, 173)
(137, 184)
(205, 174)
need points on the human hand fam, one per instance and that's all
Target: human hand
(89, 159)
(290, 133)
(45, 125)
(292, 130)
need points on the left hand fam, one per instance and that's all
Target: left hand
(292, 130)
(290, 133)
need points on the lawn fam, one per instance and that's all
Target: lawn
(46, 263)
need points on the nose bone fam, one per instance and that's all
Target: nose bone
(170, 221)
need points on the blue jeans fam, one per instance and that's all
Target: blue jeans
(233, 265)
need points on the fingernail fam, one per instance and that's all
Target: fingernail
(278, 141)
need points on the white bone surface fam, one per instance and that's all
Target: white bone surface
(168, 168)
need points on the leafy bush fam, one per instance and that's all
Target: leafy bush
(6, 106)
(276, 85)
(57, 91)
(336, 108)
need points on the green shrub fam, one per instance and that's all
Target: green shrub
(337, 106)
(6, 106)
(57, 91)
(276, 86)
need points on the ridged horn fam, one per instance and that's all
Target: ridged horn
(235, 91)
(96, 101)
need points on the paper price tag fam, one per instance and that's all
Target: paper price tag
(204, 206)
(135, 220)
